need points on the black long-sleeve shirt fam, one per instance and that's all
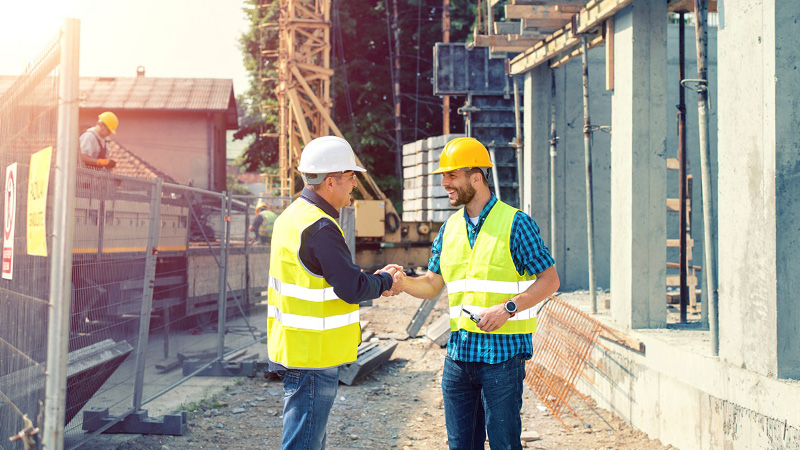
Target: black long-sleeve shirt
(324, 252)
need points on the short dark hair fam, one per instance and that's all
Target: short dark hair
(480, 170)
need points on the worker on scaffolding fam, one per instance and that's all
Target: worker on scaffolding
(496, 269)
(94, 142)
(263, 223)
(314, 291)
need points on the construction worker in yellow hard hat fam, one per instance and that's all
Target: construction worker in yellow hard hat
(94, 142)
(496, 269)
(263, 223)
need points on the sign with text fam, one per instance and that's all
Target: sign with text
(37, 201)
(9, 218)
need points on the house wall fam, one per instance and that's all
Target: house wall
(188, 146)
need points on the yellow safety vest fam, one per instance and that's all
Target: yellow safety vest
(308, 326)
(483, 276)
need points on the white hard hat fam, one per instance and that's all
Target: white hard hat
(328, 154)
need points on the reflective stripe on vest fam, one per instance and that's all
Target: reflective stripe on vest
(312, 323)
(293, 290)
(485, 275)
(309, 327)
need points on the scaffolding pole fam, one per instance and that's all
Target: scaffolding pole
(709, 243)
(684, 289)
(553, 154)
(587, 148)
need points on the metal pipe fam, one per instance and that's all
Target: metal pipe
(147, 292)
(553, 153)
(518, 147)
(709, 243)
(684, 289)
(63, 230)
(587, 154)
(221, 283)
(494, 170)
(247, 251)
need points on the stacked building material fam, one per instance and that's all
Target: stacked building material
(424, 198)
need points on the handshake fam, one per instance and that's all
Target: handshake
(398, 276)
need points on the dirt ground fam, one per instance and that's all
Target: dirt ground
(399, 406)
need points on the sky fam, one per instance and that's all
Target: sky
(170, 38)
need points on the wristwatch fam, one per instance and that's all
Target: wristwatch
(511, 307)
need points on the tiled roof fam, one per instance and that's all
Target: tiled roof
(131, 165)
(147, 93)
(198, 94)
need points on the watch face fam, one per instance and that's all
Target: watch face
(511, 307)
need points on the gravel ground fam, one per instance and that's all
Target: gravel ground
(399, 406)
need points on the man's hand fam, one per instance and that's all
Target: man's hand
(398, 276)
(494, 318)
(106, 163)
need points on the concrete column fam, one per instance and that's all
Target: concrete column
(536, 152)
(638, 166)
(759, 187)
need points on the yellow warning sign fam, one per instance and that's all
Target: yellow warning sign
(38, 180)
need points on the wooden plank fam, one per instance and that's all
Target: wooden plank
(507, 28)
(676, 243)
(675, 6)
(672, 164)
(567, 57)
(567, 3)
(675, 280)
(674, 203)
(608, 35)
(546, 24)
(672, 265)
(622, 339)
(536, 12)
(508, 42)
(595, 13)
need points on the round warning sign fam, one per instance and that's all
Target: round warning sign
(10, 203)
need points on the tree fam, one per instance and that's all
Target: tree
(258, 106)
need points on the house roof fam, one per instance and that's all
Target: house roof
(131, 165)
(148, 93)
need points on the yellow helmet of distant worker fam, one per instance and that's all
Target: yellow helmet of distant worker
(110, 120)
(463, 153)
(260, 206)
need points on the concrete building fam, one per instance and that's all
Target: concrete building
(678, 390)
(177, 125)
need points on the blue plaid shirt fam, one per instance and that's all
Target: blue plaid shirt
(529, 255)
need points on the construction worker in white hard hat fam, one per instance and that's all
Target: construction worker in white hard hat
(263, 223)
(496, 269)
(94, 143)
(314, 292)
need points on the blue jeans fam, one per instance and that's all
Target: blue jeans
(308, 396)
(481, 398)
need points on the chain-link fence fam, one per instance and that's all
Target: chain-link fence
(28, 124)
(162, 282)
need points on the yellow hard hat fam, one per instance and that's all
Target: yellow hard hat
(110, 119)
(462, 153)
(261, 205)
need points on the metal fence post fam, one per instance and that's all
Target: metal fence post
(63, 226)
(223, 274)
(147, 292)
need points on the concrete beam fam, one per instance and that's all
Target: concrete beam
(638, 166)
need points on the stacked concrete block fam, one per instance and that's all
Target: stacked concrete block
(424, 199)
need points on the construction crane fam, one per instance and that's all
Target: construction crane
(303, 90)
